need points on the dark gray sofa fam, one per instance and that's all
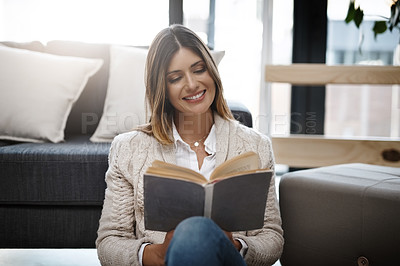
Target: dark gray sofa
(51, 194)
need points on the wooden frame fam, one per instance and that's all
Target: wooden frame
(316, 150)
(320, 74)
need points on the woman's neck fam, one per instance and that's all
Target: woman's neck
(193, 127)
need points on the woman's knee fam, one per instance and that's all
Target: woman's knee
(199, 241)
(198, 230)
(197, 223)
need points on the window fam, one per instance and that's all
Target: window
(196, 16)
(348, 110)
(237, 31)
(282, 40)
(133, 22)
(361, 110)
(352, 114)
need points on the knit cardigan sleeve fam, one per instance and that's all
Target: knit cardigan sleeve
(265, 245)
(117, 243)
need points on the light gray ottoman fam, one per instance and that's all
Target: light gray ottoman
(341, 215)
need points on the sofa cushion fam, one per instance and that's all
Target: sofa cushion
(37, 93)
(124, 107)
(240, 112)
(70, 173)
(40, 226)
(33, 46)
(338, 214)
(85, 114)
(7, 142)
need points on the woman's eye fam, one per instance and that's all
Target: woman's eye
(173, 80)
(200, 70)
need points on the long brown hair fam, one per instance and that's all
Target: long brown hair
(164, 46)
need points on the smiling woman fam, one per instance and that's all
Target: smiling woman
(190, 87)
(185, 96)
(103, 21)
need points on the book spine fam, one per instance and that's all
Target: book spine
(208, 199)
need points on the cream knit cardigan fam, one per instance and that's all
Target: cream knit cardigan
(121, 231)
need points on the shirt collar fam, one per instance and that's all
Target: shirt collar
(209, 143)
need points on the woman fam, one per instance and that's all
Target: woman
(190, 125)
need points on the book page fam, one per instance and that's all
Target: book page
(242, 163)
(164, 169)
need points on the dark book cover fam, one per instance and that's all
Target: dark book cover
(236, 203)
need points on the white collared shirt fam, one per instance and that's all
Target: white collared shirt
(186, 157)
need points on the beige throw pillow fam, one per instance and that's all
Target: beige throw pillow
(124, 107)
(37, 91)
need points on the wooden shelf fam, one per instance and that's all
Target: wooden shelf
(321, 74)
(316, 150)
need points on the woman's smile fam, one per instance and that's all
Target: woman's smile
(196, 97)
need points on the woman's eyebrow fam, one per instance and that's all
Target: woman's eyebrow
(191, 66)
(198, 62)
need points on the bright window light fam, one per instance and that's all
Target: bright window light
(134, 22)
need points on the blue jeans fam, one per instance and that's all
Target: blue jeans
(199, 241)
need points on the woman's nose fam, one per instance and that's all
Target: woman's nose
(191, 82)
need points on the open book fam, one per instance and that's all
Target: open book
(234, 197)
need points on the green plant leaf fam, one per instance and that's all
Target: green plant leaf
(379, 28)
(358, 16)
(350, 12)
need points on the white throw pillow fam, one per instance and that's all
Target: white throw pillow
(124, 107)
(37, 91)
(217, 55)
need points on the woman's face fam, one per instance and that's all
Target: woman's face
(190, 87)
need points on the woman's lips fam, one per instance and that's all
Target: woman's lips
(195, 97)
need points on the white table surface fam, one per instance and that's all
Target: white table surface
(48, 257)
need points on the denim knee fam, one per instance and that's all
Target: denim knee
(196, 224)
(199, 241)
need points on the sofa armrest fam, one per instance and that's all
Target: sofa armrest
(241, 113)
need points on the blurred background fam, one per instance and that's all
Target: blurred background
(252, 33)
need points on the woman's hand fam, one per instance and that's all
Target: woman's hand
(235, 242)
(154, 254)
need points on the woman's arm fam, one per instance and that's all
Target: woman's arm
(117, 243)
(265, 245)
(154, 254)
